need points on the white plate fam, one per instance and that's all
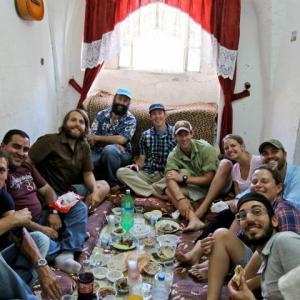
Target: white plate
(166, 226)
(114, 275)
(116, 243)
(100, 272)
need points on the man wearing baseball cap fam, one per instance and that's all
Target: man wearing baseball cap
(112, 131)
(146, 175)
(259, 224)
(189, 171)
(274, 154)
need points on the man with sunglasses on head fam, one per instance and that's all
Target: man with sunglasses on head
(278, 251)
(112, 131)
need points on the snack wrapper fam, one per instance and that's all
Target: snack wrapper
(65, 202)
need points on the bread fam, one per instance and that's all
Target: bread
(142, 260)
(239, 272)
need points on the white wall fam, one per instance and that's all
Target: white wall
(27, 88)
(33, 96)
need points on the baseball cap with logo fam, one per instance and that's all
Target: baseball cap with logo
(124, 92)
(275, 143)
(156, 106)
(182, 125)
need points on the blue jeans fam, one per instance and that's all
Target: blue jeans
(73, 233)
(16, 272)
(108, 161)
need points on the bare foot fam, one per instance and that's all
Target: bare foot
(199, 273)
(194, 225)
(187, 258)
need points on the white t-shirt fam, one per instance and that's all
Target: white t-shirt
(236, 172)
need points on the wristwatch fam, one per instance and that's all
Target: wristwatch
(42, 262)
(184, 179)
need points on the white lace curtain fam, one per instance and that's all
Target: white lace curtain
(170, 21)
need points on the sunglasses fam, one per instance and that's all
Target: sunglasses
(254, 211)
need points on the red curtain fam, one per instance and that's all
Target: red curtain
(220, 18)
(88, 79)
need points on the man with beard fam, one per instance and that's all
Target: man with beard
(279, 251)
(26, 185)
(273, 153)
(64, 160)
(112, 130)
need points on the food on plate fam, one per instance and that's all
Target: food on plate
(128, 242)
(167, 227)
(118, 231)
(118, 262)
(122, 286)
(149, 241)
(239, 272)
(114, 275)
(106, 291)
(142, 260)
(166, 253)
(152, 268)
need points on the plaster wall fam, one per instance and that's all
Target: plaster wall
(27, 87)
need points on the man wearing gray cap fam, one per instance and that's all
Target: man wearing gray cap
(189, 171)
(146, 175)
(112, 131)
(274, 154)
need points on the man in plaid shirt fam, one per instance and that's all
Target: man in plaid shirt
(146, 176)
(112, 131)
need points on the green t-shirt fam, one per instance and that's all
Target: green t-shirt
(203, 159)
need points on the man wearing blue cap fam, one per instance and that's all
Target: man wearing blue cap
(146, 176)
(112, 131)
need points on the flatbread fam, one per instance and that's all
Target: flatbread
(239, 272)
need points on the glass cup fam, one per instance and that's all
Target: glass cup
(110, 223)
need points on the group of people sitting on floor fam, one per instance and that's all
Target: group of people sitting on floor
(172, 166)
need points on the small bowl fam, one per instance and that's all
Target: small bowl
(100, 272)
(152, 268)
(166, 253)
(114, 275)
(121, 286)
(106, 291)
(118, 231)
(149, 241)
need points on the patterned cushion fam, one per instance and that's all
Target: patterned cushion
(201, 115)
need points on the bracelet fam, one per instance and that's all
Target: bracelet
(54, 211)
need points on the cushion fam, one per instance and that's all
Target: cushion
(201, 115)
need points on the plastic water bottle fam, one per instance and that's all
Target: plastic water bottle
(161, 288)
(127, 211)
(134, 279)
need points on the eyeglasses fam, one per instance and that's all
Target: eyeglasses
(254, 211)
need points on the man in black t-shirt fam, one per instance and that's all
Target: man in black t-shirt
(23, 260)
